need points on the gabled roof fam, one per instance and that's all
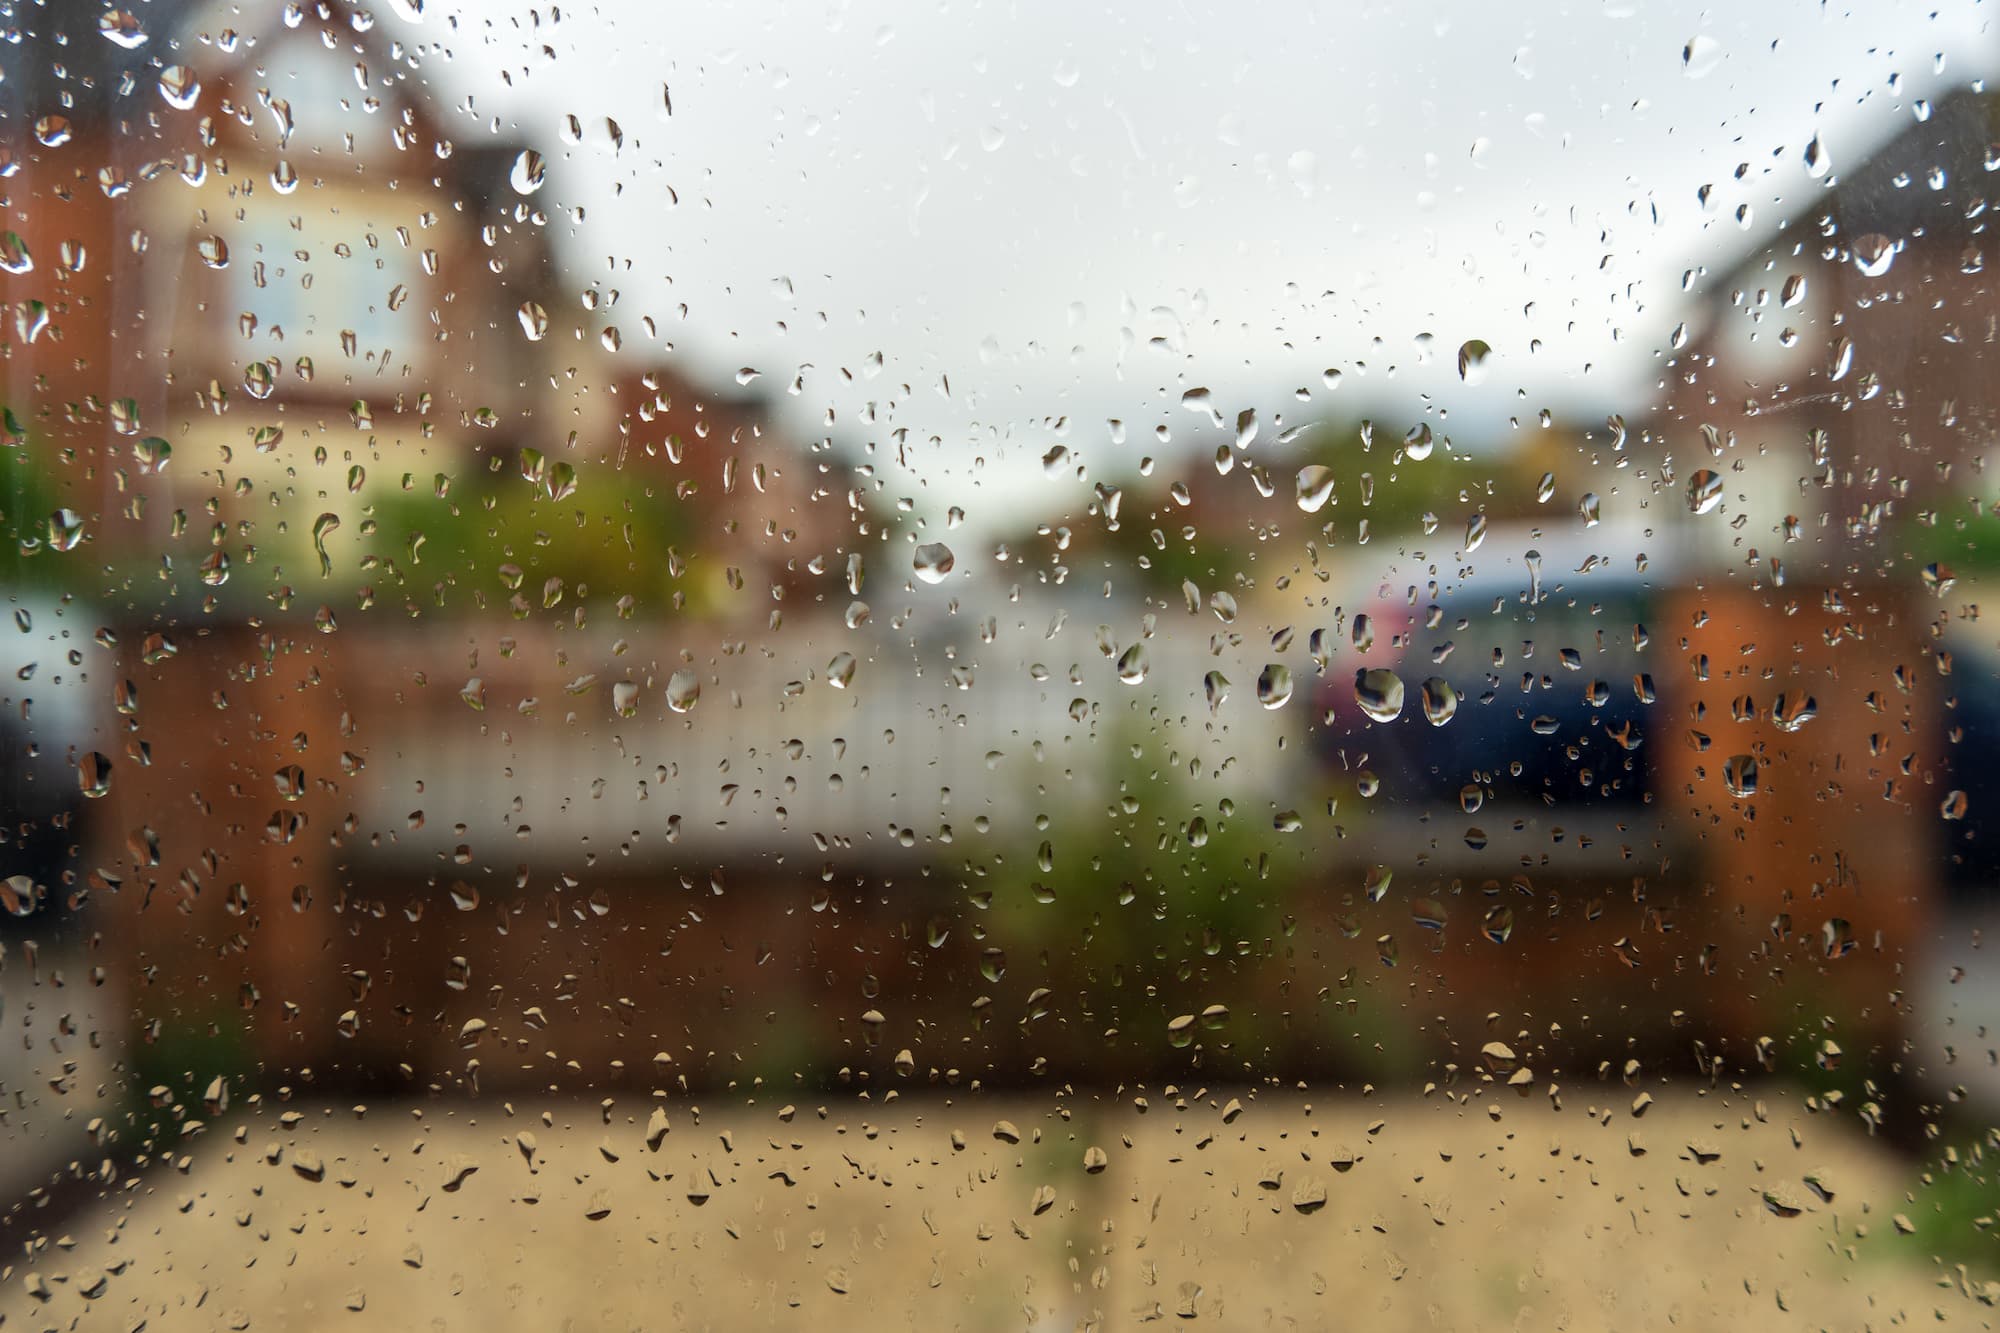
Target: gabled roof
(72, 59)
(1894, 191)
(1932, 178)
(99, 64)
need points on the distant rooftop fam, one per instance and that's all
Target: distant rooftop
(1934, 177)
(64, 57)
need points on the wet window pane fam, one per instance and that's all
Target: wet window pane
(939, 667)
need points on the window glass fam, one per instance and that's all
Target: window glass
(966, 667)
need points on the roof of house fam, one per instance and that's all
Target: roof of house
(74, 60)
(1932, 178)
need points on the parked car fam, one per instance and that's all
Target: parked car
(46, 729)
(1529, 692)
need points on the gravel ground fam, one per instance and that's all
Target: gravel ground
(1232, 1210)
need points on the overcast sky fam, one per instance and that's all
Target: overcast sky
(1082, 216)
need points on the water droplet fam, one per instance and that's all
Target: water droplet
(122, 27)
(1274, 686)
(65, 530)
(1700, 56)
(1817, 161)
(1314, 487)
(1792, 711)
(214, 251)
(14, 256)
(18, 895)
(1475, 532)
(1132, 664)
(528, 172)
(1472, 358)
(180, 87)
(1704, 491)
(683, 690)
(324, 525)
(933, 562)
(1379, 691)
(840, 671)
(1440, 700)
(1215, 686)
(1739, 775)
(1873, 254)
(1375, 882)
(93, 774)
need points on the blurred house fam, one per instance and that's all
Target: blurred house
(343, 440)
(84, 129)
(1823, 438)
(1837, 363)
(485, 696)
(1823, 414)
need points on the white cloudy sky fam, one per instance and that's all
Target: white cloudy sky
(1019, 199)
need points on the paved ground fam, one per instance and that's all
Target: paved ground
(1488, 1211)
(55, 1061)
(1496, 1211)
